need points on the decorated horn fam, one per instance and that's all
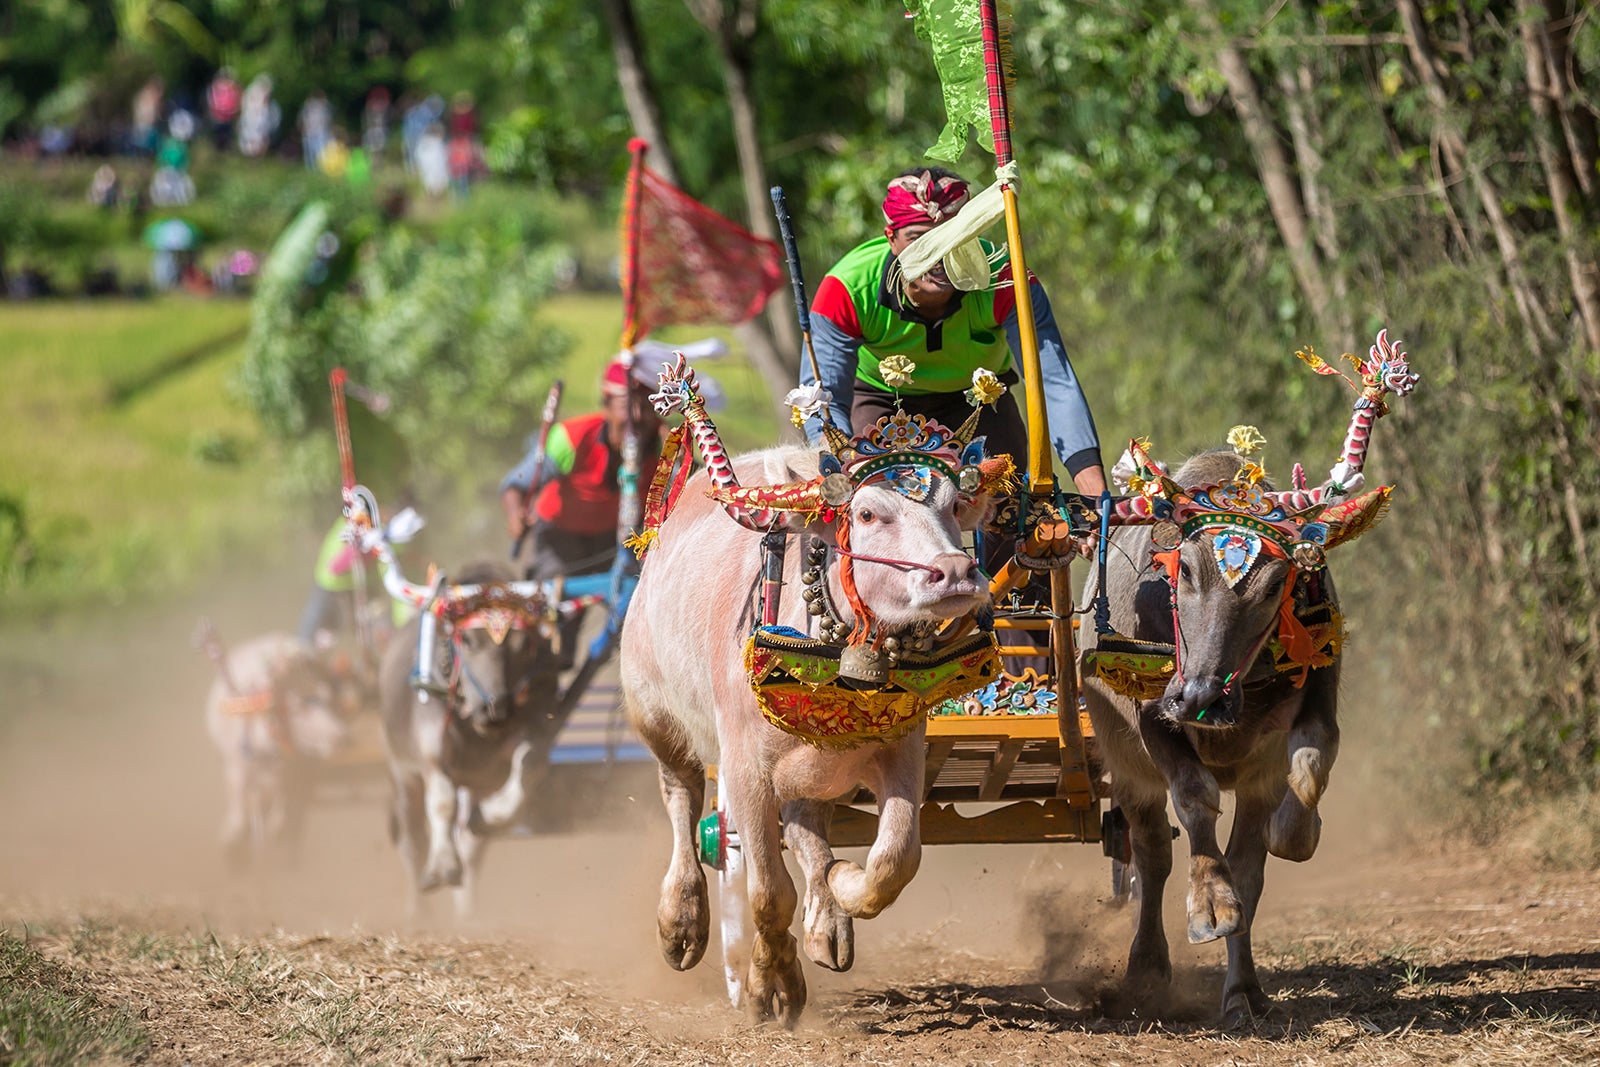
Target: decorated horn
(1386, 371)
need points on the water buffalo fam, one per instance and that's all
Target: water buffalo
(455, 752)
(687, 692)
(1233, 715)
(1229, 574)
(272, 712)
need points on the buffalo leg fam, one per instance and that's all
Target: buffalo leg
(408, 826)
(1149, 964)
(1296, 826)
(1242, 998)
(444, 865)
(469, 846)
(776, 986)
(830, 937)
(896, 852)
(1213, 904)
(683, 918)
(236, 812)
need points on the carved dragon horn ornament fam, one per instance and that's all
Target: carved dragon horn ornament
(1299, 524)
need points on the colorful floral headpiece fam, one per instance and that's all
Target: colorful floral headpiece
(905, 451)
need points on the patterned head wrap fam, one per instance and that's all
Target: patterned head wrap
(913, 199)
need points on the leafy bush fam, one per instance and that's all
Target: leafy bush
(443, 328)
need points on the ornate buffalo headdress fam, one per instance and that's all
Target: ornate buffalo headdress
(1244, 519)
(850, 683)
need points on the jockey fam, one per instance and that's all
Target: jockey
(331, 605)
(570, 504)
(864, 312)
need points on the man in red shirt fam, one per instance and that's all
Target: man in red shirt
(572, 517)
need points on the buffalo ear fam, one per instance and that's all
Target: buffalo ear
(1354, 517)
(975, 510)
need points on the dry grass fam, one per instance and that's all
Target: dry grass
(1453, 967)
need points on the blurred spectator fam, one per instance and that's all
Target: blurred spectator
(171, 184)
(258, 117)
(164, 270)
(223, 101)
(232, 274)
(316, 125)
(193, 279)
(375, 123)
(463, 115)
(144, 136)
(358, 171)
(181, 124)
(55, 139)
(105, 188)
(463, 164)
(433, 161)
(335, 157)
(414, 127)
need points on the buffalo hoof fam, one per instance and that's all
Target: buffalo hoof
(1214, 911)
(1145, 993)
(777, 993)
(830, 933)
(1294, 832)
(1242, 1007)
(440, 874)
(683, 922)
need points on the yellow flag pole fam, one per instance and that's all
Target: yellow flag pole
(1041, 471)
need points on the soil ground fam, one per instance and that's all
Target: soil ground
(1385, 948)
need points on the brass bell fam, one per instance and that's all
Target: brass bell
(863, 663)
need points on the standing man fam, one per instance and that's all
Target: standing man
(865, 312)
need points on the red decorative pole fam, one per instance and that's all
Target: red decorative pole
(632, 224)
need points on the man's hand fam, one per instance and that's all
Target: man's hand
(516, 521)
(1091, 481)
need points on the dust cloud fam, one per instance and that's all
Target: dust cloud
(114, 797)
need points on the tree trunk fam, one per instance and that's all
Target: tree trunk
(1454, 145)
(1299, 108)
(638, 91)
(1577, 121)
(775, 344)
(1565, 196)
(1276, 170)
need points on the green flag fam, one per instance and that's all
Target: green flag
(955, 30)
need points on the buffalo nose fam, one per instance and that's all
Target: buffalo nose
(954, 568)
(1200, 693)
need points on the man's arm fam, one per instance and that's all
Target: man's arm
(1072, 430)
(836, 339)
(559, 458)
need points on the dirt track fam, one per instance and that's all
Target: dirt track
(994, 955)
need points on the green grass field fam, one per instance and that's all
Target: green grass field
(121, 450)
(128, 467)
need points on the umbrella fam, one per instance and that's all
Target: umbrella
(171, 235)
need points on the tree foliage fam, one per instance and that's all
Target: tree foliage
(1206, 186)
(442, 327)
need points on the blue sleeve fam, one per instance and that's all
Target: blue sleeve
(1072, 431)
(837, 356)
(521, 476)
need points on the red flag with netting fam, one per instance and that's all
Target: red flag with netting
(683, 262)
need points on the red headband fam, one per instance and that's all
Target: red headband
(914, 199)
